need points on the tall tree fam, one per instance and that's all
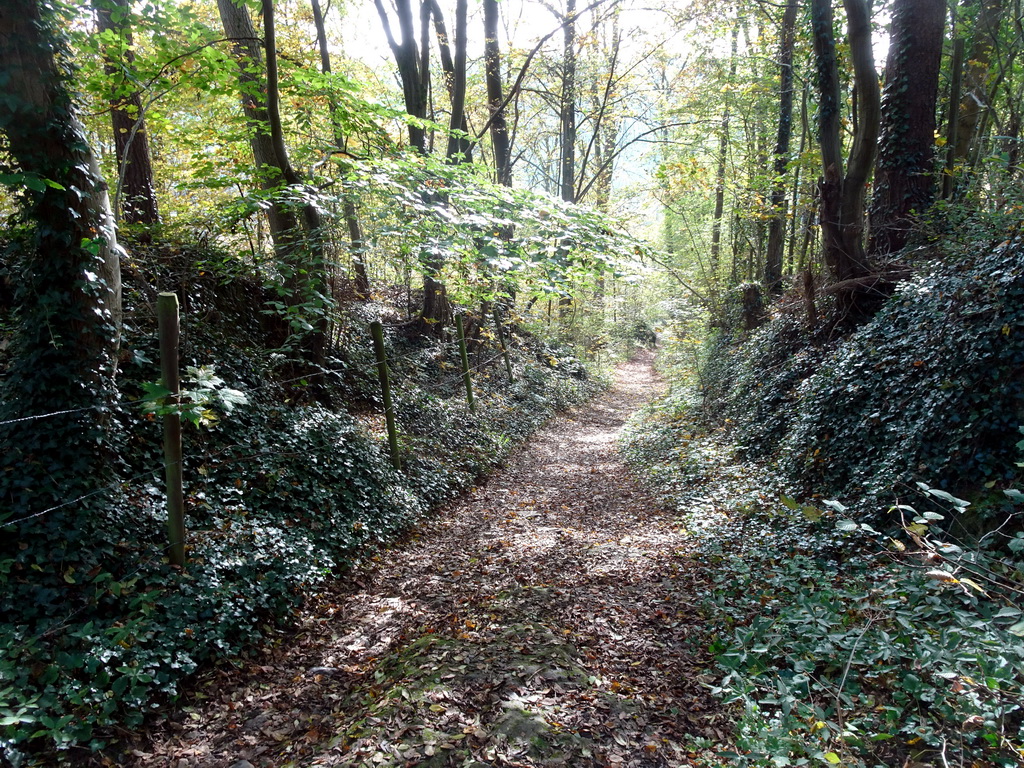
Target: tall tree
(904, 177)
(285, 229)
(135, 190)
(722, 161)
(299, 242)
(69, 289)
(843, 194)
(357, 241)
(500, 143)
(413, 63)
(777, 227)
(974, 101)
(567, 107)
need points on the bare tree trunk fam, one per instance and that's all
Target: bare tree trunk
(413, 66)
(495, 99)
(285, 230)
(567, 108)
(777, 227)
(905, 177)
(357, 242)
(842, 196)
(135, 191)
(723, 159)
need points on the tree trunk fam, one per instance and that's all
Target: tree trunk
(285, 230)
(500, 142)
(723, 159)
(135, 190)
(974, 98)
(567, 108)
(357, 242)
(412, 66)
(459, 147)
(68, 293)
(905, 177)
(777, 227)
(842, 196)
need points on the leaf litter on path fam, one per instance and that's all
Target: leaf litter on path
(543, 620)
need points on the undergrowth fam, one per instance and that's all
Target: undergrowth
(838, 643)
(290, 487)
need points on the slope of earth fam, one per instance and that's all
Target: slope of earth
(542, 621)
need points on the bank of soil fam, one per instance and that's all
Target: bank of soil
(544, 620)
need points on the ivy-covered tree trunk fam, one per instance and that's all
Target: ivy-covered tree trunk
(136, 193)
(905, 175)
(68, 296)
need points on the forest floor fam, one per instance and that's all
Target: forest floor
(545, 619)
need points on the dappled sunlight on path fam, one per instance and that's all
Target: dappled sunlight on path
(541, 621)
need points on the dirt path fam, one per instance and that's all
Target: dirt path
(543, 621)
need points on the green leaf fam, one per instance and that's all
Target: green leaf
(811, 513)
(846, 525)
(1017, 629)
(832, 757)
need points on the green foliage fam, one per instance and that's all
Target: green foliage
(838, 645)
(281, 493)
(929, 388)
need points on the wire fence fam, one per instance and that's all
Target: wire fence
(452, 380)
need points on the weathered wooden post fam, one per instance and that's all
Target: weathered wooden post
(377, 332)
(168, 328)
(466, 377)
(501, 342)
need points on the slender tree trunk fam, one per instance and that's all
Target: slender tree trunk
(723, 159)
(495, 98)
(777, 227)
(414, 70)
(459, 147)
(357, 242)
(974, 99)
(905, 176)
(135, 190)
(413, 67)
(285, 230)
(567, 108)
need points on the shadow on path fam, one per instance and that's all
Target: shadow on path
(541, 621)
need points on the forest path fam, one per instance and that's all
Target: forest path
(540, 621)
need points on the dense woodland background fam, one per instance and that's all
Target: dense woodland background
(814, 210)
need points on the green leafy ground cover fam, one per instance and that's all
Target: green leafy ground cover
(886, 629)
(284, 490)
(836, 644)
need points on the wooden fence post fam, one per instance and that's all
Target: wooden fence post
(377, 332)
(168, 327)
(466, 377)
